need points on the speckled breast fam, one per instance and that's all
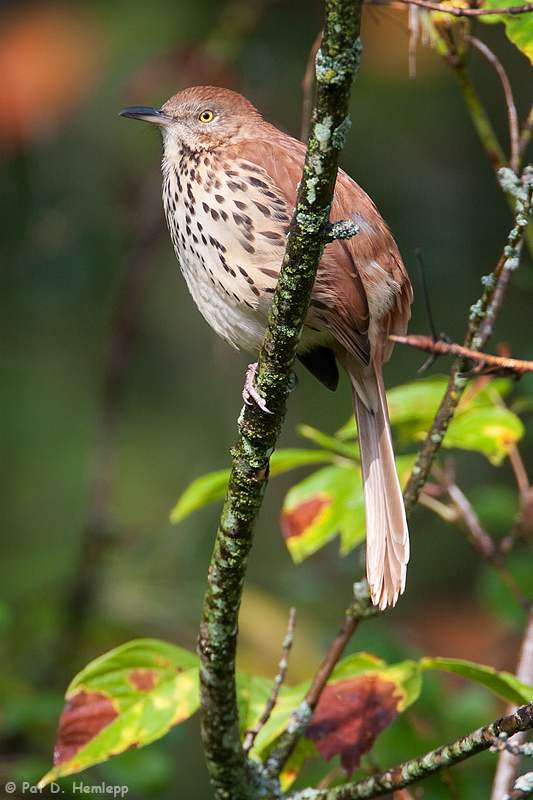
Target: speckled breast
(228, 224)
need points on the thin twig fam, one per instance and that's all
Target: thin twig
(483, 316)
(361, 608)
(514, 134)
(251, 735)
(520, 473)
(454, 11)
(478, 537)
(525, 136)
(425, 294)
(498, 364)
(417, 769)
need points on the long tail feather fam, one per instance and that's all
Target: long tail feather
(386, 525)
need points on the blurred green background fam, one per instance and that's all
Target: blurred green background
(115, 394)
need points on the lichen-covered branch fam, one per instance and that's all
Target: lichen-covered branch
(232, 774)
(413, 771)
(509, 761)
(483, 316)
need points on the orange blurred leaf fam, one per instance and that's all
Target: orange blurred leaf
(50, 56)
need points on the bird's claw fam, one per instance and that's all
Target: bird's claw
(250, 393)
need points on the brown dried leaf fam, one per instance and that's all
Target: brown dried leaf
(351, 713)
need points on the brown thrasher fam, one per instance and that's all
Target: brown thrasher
(229, 190)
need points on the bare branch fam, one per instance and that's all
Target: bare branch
(483, 316)
(509, 763)
(454, 11)
(478, 537)
(361, 608)
(485, 363)
(514, 134)
(251, 735)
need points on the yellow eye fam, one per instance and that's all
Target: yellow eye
(206, 116)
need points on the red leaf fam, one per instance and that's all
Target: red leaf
(296, 521)
(84, 716)
(350, 714)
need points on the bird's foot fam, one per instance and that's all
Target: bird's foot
(250, 393)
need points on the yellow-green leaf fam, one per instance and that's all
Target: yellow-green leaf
(213, 486)
(126, 698)
(501, 683)
(518, 27)
(199, 493)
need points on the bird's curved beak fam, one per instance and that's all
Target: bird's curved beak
(154, 115)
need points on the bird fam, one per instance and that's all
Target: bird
(230, 181)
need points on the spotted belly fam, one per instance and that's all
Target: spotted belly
(229, 246)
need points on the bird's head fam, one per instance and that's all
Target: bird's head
(201, 118)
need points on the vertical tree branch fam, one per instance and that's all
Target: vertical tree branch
(508, 763)
(232, 775)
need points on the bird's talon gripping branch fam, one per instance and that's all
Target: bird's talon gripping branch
(250, 393)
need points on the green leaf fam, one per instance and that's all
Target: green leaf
(356, 664)
(214, 485)
(409, 678)
(481, 423)
(199, 493)
(330, 442)
(253, 693)
(491, 430)
(327, 503)
(501, 683)
(416, 401)
(287, 459)
(518, 27)
(126, 698)
(304, 749)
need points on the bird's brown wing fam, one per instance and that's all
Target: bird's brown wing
(361, 294)
(339, 302)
